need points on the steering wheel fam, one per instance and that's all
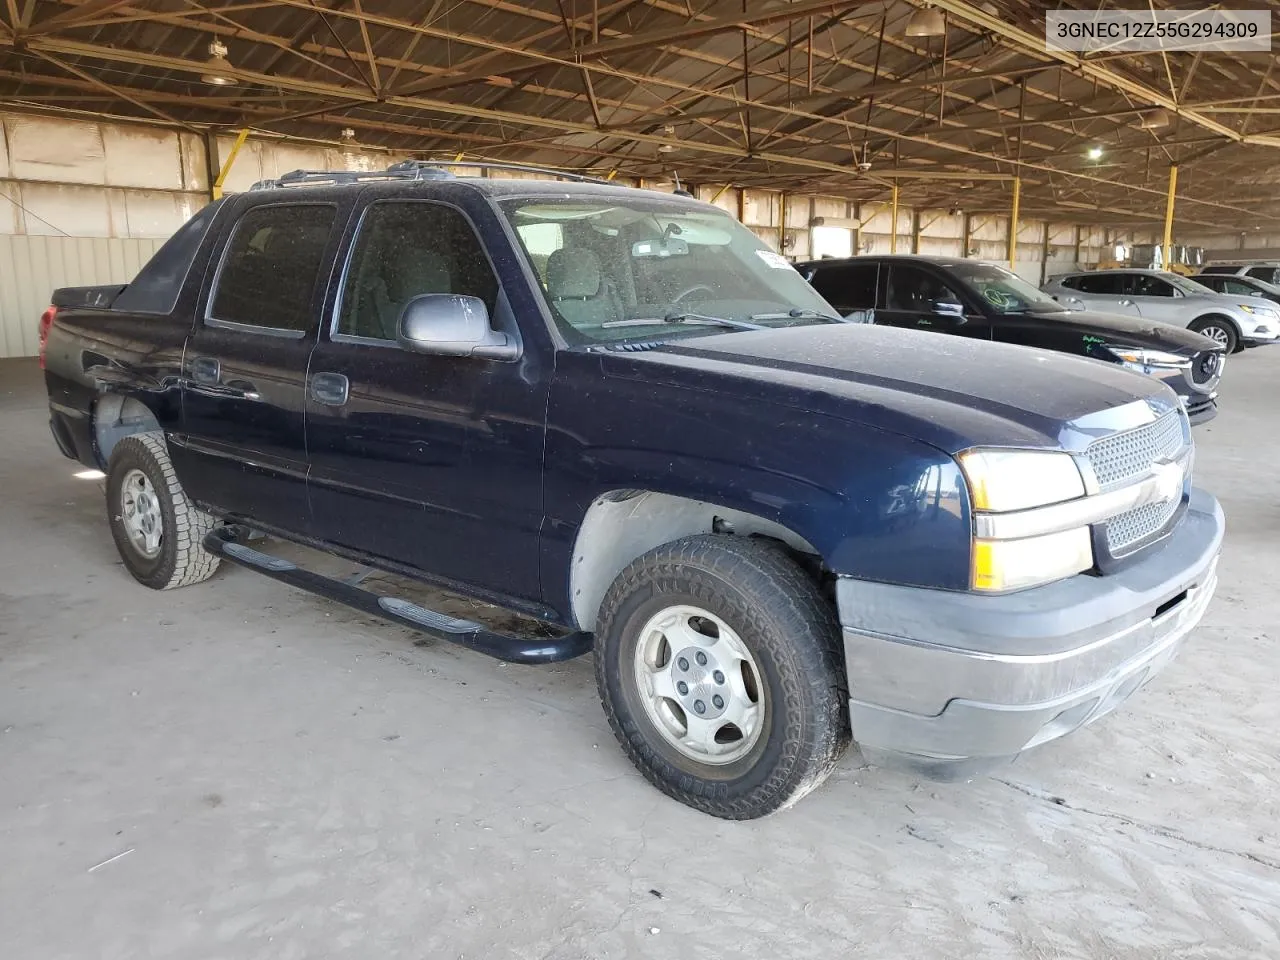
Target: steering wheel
(692, 290)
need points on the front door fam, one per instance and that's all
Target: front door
(914, 296)
(430, 461)
(1157, 299)
(244, 373)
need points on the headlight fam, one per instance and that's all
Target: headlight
(1257, 311)
(1002, 481)
(1144, 360)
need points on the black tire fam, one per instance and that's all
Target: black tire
(789, 628)
(180, 560)
(1230, 338)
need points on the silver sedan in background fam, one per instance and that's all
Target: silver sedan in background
(1233, 321)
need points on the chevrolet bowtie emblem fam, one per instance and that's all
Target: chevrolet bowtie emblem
(1168, 476)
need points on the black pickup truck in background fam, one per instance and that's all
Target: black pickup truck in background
(969, 298)
(617, 412)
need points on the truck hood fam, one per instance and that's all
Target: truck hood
(1126, 331)
(948, 391)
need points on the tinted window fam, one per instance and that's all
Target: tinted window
(406, 249)
(850, 286)
(1268, 274)
(1145, 285)
(156, 287)
(913, 288)
(1227, 285)
(268, 275)
(1222, 268)
(1100, 283)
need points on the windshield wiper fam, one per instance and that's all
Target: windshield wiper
(692, 319)
(798, 314)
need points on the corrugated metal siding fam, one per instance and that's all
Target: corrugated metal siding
(31, 268)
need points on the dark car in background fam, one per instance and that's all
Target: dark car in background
(970, 298)
(1239, 286)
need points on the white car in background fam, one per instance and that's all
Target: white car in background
(1235, 322)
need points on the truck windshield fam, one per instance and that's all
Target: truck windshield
(625, 269)
(1003, 290)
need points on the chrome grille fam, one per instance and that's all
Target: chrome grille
(1129, 455)
(1141, 522)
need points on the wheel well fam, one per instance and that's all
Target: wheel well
(1221, 318)
(622, 525)
(116, 417)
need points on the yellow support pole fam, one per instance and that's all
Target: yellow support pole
(893, 228)
(1013, 223)
(1168, 216)
(721, 192)
(226, 167)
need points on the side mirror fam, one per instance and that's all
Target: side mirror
(949, 309)
(449, 325)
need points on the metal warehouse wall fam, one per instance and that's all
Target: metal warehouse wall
(32, 267)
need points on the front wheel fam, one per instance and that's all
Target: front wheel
(1219, 331)
(157, 530)
(719, 668)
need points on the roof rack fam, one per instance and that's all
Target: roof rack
(411, 170)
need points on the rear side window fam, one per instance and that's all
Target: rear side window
(156, 287)
(269, 271)
(849, 286)
(1100, 283)
(1222, 268)
(1265, 274)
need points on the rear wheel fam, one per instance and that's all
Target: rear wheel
(1220, 330)
(157, 530)
(718, 665)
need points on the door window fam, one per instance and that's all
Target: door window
(1236, 287)
(915, 289)
(1266, 274)
(1104, 283)
(1145, 285)
(268, 274)
(407, 248)
(850, 286)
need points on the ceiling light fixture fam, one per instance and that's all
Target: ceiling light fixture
(927, 22)
(218, 71)
(1156, 119)
(1095, 153)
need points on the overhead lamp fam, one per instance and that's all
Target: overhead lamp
(666, 148)
(218, 71)
(927, 22)
(1094, 153)
(1156, 119)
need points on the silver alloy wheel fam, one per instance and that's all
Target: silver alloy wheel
(140, 511)
(700, 685)
(1216, 334)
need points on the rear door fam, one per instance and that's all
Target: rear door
(244, 371)
(849, 287)
(430, 461)
(1105, 292)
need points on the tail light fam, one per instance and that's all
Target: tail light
(46, 324)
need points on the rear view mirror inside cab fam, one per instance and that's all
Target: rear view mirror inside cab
(661, 247)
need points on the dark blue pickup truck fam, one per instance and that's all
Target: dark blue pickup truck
(617, 412)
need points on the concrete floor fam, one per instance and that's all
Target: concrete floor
(279, 777)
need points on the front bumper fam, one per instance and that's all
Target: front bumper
(953, 683)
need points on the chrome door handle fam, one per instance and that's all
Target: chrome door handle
(205, 370)
(331, 389)
(1126, 303)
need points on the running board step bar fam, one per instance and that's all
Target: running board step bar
(224, 542)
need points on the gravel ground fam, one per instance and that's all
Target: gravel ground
(241, 770)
